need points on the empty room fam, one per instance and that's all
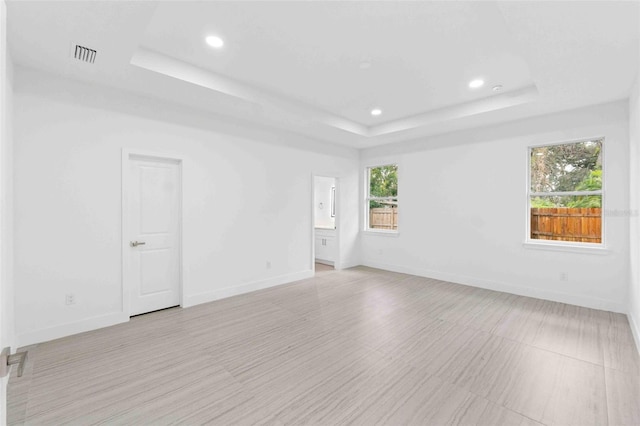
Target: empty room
(320, 212)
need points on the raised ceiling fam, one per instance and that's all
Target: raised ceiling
(311, 52)
(299, 65)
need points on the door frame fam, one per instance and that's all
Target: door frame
(336, 263)
(7, 314)
(128, 154)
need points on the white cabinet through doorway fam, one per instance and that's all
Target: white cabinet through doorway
(325, 246)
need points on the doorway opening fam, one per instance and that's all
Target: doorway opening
(325, 224)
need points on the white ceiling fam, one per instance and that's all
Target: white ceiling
(311, 52)
(296, 65)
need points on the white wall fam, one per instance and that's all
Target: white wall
(462, 213)
(246, 200)
(6, 207)
(322, 203)
(634, 199)
(7, 335)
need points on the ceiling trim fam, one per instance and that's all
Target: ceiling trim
(493, 103)
(157, 62)
(166, 65)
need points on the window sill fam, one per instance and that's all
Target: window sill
(380, 233)
(568, 248)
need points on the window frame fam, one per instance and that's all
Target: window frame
(368, 198)
(559, 245)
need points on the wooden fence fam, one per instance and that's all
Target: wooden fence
(567, 224)
(383, 218)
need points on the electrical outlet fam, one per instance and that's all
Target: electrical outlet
(564, 276)
(268, 264)
(70, 299)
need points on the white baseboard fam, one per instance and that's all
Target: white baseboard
(349, 263)
(222, 293)
(587, 302)
(107, 320)
(635, 330)
(58, 331)
(64, 330)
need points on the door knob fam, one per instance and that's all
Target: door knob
(137, 243)
(7, 360)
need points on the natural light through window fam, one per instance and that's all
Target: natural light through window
(565, 192)
(382, 198)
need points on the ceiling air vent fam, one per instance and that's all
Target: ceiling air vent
(84, 54)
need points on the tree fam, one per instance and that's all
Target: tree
(593, 182)
(566, 168)
(383, 182)
(558, 168)
(540, 202)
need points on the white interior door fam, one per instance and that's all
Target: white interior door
(153, 216)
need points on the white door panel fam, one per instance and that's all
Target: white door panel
(157, 274)
(154, 226)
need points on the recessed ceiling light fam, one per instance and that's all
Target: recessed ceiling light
(365, 65)
(376, 111)
(215, 41)
(497, 88)
(474, 84)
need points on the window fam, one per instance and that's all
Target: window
(382, 198)
(565, 192)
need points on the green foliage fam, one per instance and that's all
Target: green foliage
(383, 181)
(542, 202)
(557, 168)
(593, 182)
(586, 201)
(564, 168)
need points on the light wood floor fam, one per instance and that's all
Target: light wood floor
(359, 346)
(321, 267)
